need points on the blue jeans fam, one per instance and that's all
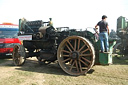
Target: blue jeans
(104, 41)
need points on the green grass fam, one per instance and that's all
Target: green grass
(23, 73)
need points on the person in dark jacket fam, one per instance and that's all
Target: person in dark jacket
(103, 35)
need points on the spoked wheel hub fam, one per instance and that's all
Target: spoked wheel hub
(76, 55)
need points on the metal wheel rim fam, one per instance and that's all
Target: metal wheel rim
(79, 64)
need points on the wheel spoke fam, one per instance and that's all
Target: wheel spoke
(75, 45)
(78, 44)
(86, 60)
(66, 60)
(65, 55)
(68, 48)
(15, 59)
(16, 55)
(85, 54)
(83, 62)
(70, 44)
(77, 66)
(85, 50)
(72, 66)
(81, 48)
(80, 66)
(65, 51)
(70, 61)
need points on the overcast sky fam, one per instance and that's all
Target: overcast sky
(78, 14)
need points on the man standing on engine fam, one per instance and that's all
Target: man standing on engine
(103, 35)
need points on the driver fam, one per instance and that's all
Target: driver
(103, 35)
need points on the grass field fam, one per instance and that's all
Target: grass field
(31, 73)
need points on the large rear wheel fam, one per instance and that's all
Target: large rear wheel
(76, 55)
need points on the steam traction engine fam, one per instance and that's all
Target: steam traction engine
(74, 50)
(121, 48)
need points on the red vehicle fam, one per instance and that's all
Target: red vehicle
(8, 38)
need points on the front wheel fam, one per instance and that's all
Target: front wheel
(76, 55)
(19, 55)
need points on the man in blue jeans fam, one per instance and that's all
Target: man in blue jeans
(103, 35)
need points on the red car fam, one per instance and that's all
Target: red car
(8, 38)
